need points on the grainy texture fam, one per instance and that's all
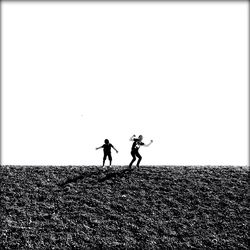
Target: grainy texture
(151, 208)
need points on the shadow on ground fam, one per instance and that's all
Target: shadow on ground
(118, 174)
(99, 174)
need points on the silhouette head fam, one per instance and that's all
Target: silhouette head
(106, 141)
(140, 137)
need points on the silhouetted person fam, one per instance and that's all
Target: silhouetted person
(137, 142)
(107, 151)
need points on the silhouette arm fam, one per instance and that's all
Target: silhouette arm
(115, 149)
(98, 148)
(132, 138)
(146, 145)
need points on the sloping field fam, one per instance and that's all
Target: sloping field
(151, 208)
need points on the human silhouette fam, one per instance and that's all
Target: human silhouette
(107, 151)
(137, 142)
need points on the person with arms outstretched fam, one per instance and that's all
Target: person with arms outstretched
(137, 142)
(107, 151)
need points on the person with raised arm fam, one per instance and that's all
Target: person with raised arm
(137, 142)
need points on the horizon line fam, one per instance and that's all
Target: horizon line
(161, 165)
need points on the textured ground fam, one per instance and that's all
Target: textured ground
(151, 208)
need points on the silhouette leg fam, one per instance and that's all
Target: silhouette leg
(110, 159)
(133, 160)
(104, 159)
(139, 159)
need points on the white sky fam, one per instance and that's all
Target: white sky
(76, 73)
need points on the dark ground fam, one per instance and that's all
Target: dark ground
(151, 208)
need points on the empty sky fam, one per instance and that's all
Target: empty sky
(74, 74)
